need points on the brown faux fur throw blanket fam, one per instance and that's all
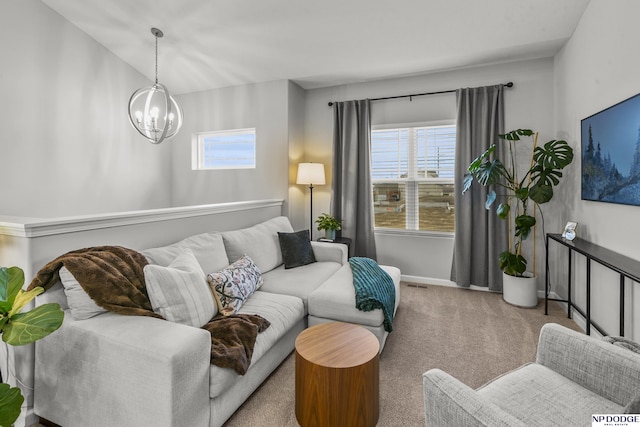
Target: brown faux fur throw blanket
(233, 338)
(113, 276)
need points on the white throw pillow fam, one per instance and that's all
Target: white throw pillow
(80, 303)
(180, 292)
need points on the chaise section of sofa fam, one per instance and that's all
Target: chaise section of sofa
(335, 301)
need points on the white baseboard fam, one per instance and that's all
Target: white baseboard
(438, 282)
(575, 316)
(442, 282)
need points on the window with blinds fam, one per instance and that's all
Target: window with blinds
(412, 173)
(229, 149)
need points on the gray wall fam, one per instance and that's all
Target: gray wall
(67, 147)
(263, 106)
(596, 69)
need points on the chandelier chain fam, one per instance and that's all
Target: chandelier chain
(156, 58)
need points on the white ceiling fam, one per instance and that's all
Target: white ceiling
(316, 43)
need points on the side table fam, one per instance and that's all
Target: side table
(337, 376)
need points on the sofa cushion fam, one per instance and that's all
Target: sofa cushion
(536, 394)
(299, 282)
(282, 311)
(208, 249)
(336, 299)
(179, 292)
(260, 242)
(233, 285)
(80, 303)
(296, 249)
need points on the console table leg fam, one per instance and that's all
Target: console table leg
(588, 331)
(621, 305)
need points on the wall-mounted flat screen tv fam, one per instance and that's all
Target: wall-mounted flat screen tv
(611, 154)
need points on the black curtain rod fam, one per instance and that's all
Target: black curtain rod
(510, 84)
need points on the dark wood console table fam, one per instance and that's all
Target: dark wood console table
(625, 266)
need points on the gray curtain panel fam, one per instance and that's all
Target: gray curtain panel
(480, 235)
(352, 196)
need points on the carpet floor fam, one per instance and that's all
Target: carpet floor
(473, 335)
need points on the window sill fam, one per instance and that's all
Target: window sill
(413, 233)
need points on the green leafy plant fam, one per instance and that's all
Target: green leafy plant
(536, 185)
(328, 222)
(20, 328)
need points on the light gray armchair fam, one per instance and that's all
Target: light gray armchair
(574, 376)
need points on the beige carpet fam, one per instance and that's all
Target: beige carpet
(473, 335)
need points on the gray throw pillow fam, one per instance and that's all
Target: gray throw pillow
(296, 249)
(624, 343)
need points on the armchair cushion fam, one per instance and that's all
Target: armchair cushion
(449, 402)
(525, 391)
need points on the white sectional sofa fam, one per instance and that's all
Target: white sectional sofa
(139, 371)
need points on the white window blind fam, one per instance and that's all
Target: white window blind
(228, 149)
(412, 172)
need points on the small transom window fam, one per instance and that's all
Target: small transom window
(227, 149)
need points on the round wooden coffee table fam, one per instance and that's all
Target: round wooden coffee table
(337, 376)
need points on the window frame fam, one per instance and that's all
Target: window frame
(197, 149)
(416, 180)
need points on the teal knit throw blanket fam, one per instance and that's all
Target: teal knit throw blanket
(374, 288)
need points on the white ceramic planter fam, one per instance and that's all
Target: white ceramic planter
(520, 291)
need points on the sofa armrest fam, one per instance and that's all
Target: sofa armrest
(605, 369)
(449, 402)
(115, 370)
(326, 251)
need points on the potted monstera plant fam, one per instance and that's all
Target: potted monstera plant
(517, 201)
(20, 327)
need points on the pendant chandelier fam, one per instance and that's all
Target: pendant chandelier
(152, 110)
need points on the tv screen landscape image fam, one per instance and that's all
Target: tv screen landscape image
(611, 154)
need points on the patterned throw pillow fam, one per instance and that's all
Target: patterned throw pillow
(234, 284)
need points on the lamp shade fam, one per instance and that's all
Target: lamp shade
(310, 174)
